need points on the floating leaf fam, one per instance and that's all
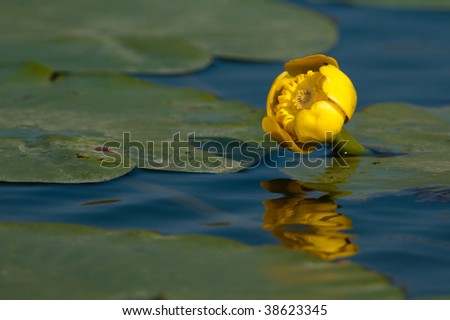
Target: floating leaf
(414, 148)
(49, 261)
(54, 158)
(55, 131)
(157, 36)
(134, 54)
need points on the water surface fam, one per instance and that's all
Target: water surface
(391, 55)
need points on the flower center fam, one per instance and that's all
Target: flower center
(298, 93)
(304, 98)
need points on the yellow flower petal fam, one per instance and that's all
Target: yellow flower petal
(275, 91)
(270, 125)
(303, 65)
(339, 88)
(319, 123)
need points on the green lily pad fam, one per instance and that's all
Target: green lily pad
(54, 158)
(158, 36)
(90, 128)
(413, 148)
(420, 4)
(89, 53)
(50, 261)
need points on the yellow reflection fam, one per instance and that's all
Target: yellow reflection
(305, 223)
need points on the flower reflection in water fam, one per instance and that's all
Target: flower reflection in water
(302, 222)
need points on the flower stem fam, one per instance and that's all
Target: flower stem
(344, 144)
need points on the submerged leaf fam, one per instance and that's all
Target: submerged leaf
(412, 145)
(158, 36)
(75, 128)
(50, 261)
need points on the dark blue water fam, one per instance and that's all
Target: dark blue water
(391, 55)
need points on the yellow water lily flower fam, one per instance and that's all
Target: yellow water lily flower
(309, 103)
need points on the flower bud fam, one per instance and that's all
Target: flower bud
(309, 103)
